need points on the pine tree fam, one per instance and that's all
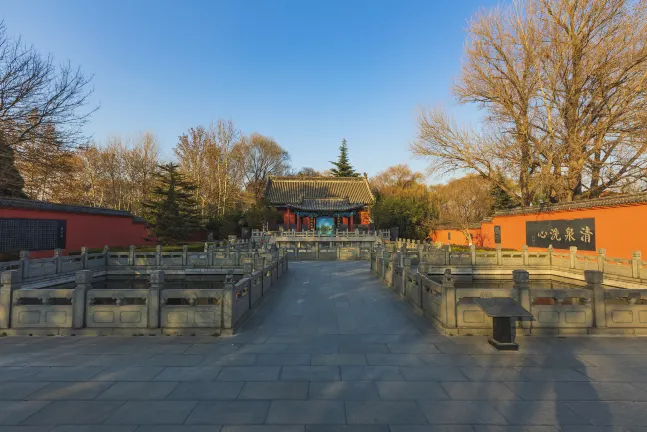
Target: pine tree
(173, 211)
(343, 168)
(501, 200)
(11, 182)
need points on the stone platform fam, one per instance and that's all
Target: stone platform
(330, 349)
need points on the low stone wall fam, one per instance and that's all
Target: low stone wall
(593, 309)
(26, 307)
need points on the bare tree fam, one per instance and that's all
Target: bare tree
(36, 95)
(308, 172)
(463, 202)
(263, 157)
(563, 86)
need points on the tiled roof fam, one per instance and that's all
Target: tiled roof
(292, 190)
(609, 201)
(27, 204)
(333, 204)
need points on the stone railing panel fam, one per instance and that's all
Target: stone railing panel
(256, 287)
(145, 259)
(118, 258)
(198, 259)
(511, 259)
(240, 304)
(539, 259)
(485, 258)
(71, 263)
(117, 308)
(96, 261)
(40, 268)
(432, 297)
(625, 308)
(561, 259)
(586, 262)
(173, 259)
(561, 308)
(187, 308)
(460, 258)
(618, 267)
(42, 308)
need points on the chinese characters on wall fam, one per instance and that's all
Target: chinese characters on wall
(562, 234)
(31, 234)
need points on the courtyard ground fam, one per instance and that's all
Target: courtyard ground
(331, 349)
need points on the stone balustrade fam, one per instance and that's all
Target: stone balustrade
(591, 309)
(29, 306)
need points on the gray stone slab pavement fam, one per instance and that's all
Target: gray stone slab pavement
(330, 349)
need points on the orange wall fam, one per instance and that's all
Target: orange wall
(91, 230)
(620, 229)
(457, 237)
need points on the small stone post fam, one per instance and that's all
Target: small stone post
(10, 280)
(524, 252)
(59, 261)
(317, 249)
(185, 255)
(83, 285)
(550, 255)
(572, 257)
(247, 270)
(228, 301)
(636, 264)
(237, 254)
(448, 312)
(594, 280)
(84, 256)
(472, 255)
(24, 264)
(157, 283)
(131, 255)
(385, 259)
(211, 255)
(499, 255)
(448, 252)
(106, 255)
(602, 256)
(521, 283)
(158, 255)
(421, 252)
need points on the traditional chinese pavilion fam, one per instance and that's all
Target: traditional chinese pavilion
(324, 204)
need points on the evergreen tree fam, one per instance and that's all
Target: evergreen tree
(343, 168)
(173, 211)
(11, 182)
(501, 200)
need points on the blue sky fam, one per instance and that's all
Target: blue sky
(307, 73)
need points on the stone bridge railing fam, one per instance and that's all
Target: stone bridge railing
(621, 272)
(591, 309)
(38, 306)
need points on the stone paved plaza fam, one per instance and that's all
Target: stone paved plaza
(331, 349)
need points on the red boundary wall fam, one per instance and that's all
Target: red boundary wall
(86, 226)
(620, 224)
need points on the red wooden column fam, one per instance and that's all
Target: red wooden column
(287, 212)
(350, 223)
(298, 223)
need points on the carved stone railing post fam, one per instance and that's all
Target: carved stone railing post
(448, 310)
(499, 255)
(247, 270)
(83, 280)
(550, 255)
(421, 251)
(131, 255)
(636, 263)
(158, 255)
(472, 255)
(106, 255)
(602, 256)
(211, 255)
(316, 249)
(594, 281)
(185, 255)
(521, 283)
(237, 255)
(84, 257)
(10, 280)
(448, 253)
(572, 257)
(156, 285)
(228, 301)
(24, 264)
(524, 253)
(58, 253)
